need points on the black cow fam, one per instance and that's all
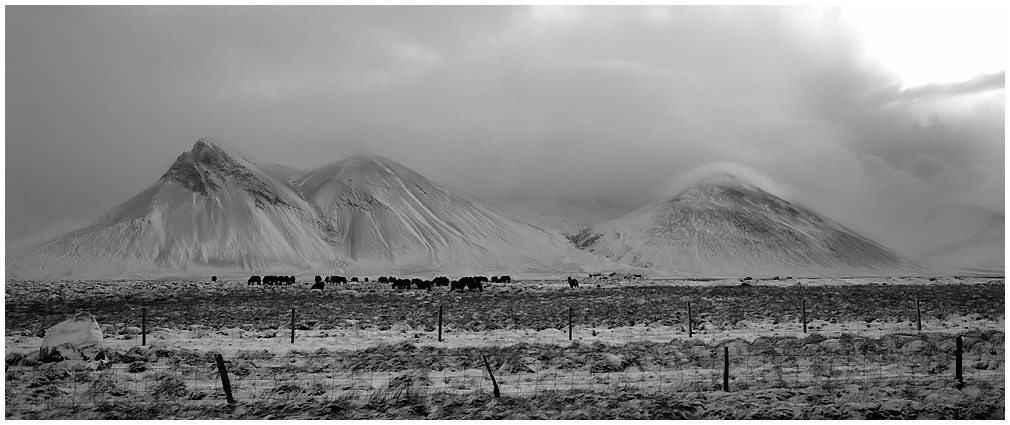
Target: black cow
(319, 279)
(318, 285)
(382, 279)
(366, 280)
(423, 284)
(338, 279)
(291, 280)
(456, 284)
(572, 283)
(354, 279)
(441, 281)
(254, 280)
(213, 278)
(505, 279)
(494, 279)
(401, 284)
(326, 279)
(475, 284)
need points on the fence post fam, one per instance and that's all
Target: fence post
(225, 383)
(918, 316)
(439, 323)
(804, 316)
(689, 331)
(569, 323)
(497, 394)
(292, 325)
(957, 366)
(143, 326)
(725, 369)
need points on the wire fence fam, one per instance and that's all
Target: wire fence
(326, 376)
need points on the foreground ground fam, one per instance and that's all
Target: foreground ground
(365, 351)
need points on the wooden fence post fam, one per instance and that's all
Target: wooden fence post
(292, 325)
(497, 394)
(804, 316)
(569, 323)
(689, 331)
(918, 316)
(225, 383)
(439, 323)
(143, 326)
(725, 369)
(958, 377)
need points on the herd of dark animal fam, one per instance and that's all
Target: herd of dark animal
(470, 283)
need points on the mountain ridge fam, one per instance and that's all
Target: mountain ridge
(724, 225)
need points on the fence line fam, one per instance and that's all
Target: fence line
(33, 388)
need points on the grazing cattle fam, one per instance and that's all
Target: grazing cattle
(319, 279)
(505, 279)
(475, 284)
(338, 279)
(354, 279)
(291, 280)
(318, 285)
(366, 280)
(572, 283)
(456, 284)
(400, 284)
(416, 282)
(441, 281)
(494, 279)
(213, 278)
(254, 280)
(382, 279)
(326, 279)
(423, 284)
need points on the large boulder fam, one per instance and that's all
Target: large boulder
(77, 338)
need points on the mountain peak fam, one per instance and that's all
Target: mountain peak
(723, 178)
(721, 186)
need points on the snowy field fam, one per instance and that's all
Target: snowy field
(367, 345)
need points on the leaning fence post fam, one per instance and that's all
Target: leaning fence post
(225, 383)
(143, 326)
(804, 316)
(957, 365)
(689, 331)
(439, 323)
(292, 325)
(569, 323)
(497, 394)
(918, 316)
(725, 369)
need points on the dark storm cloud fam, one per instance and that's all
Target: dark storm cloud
(599, 102)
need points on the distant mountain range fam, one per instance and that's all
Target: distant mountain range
(215, 212)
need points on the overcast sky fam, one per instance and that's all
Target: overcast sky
(621, 104)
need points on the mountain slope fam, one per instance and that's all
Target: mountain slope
(724, 226)
(382, 214)
(210, 209)
(216, 211)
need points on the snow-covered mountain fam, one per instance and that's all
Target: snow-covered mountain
(724, 226)
(215, 211)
